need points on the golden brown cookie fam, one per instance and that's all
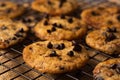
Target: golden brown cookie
(96, 16)
(60, 28)
(11, 32)
(107, 40)
(55, 56)
(108, 70)
(55, 7)
(10, 9)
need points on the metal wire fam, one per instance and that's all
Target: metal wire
(68, 75)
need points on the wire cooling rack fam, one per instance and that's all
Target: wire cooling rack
(12, 66)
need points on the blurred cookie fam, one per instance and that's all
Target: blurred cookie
(96, 16)
(108, 70)
(55, 56)
(10, 9)
(60, 28)
(55, 7)
(107, 40)
(11, 32)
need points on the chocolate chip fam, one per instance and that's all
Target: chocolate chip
(30, 48)
(62, 16)
(26, 20)
(7, 41)
(3, 5)
(60, 26)
(70, 53)
(110, 37)
(46, 23)
(54, 25)
(95, 13)
(61, 68)
(70, 20)
(118, 70)
(61, 3)
(77, 27)
(109, 22)
(53, 54)
(49, 2)
(3, 28)
(118, 17)
(53, 29)
(8, 10)
(49, 31)
(99, 78)
(101, 8)
(77, 48)
(21, 30)
(112, 29)
(60, 46)
(14, 38)
(49, 45)
(47, 16)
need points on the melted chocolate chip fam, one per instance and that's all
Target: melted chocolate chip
(61, 3)
(61, 68)
(95, 13)
(30, 48)
(49, 45)
(112, 29)
(77, 48)
(101, 8)
(2, 5)
(53, 54)
(60, 46)
(70, 20)
(46, 23)
(26, 20)
(54, 25)
(110, 37)
(8, 10)
(109, 22)
(49, 31)
(77, 27)
(49, 2)
(7, 41)
(21, 30)
(60, 26)
(99, 78)
(118, 70)
(74, 43)
(53, 29)
(14, 38)
(62, 16)
(3, 28)
(70, 53)
(118, 17)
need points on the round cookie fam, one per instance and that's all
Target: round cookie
(60, 28)
(10, 9)
(11, 32)
(107, 40)
(55, 56)
(113, 20)
(108, 70)
(55, 7)
(96, 16)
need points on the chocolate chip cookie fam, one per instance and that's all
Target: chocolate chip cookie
(113, 20)
(96, 16)
(10, 9)
(60, 28)
(55, 7)
(11, 32)
(107, 40)
(55, 56)
(108, 70)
